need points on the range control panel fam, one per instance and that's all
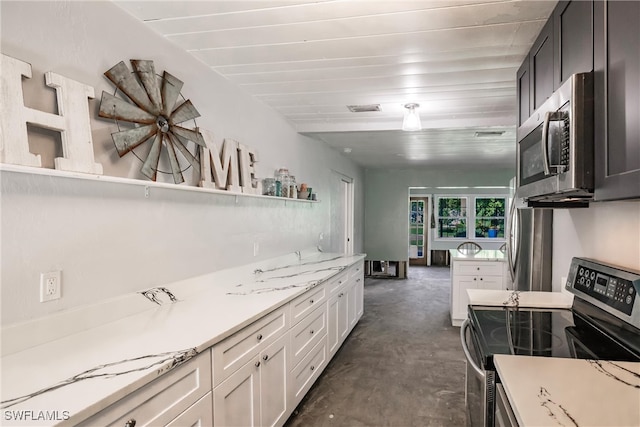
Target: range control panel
(612, 286)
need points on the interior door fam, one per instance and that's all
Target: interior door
(418, 230)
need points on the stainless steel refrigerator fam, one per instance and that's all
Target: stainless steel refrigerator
(529, 248)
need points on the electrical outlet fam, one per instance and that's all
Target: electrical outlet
(50, 286)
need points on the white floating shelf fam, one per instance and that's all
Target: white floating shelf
(136, 182)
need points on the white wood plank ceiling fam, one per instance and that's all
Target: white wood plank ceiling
(309, 59)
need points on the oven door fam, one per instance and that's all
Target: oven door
(479, 383)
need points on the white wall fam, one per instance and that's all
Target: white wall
(606, 231)
(107, 238)
(386, 203)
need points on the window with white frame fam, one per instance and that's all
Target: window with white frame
(452, 217)
(485, 219)
(490, 217)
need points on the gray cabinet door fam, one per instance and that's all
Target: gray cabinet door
(541, 66)
(617, 99)
(523, 88)
(573, 39)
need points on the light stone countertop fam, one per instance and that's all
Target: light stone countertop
(530, 299)
(549, 391)
(483, 255)
(60, 375)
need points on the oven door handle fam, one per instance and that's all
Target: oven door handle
(467, 354)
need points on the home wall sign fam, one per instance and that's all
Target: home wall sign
(156, 116)
(72, 122)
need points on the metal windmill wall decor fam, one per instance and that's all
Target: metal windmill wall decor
(156, 116)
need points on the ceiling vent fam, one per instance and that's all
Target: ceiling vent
(364, 108)
(489, 134)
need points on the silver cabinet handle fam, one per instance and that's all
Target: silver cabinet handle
(259, 337)
(313, 367)
(265, 357)
(258, 364)
(310, 301)
(311, 332)
(130, 423)
(467, 354)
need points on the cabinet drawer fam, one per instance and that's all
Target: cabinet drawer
(199, 414)
(478, 268)
(356, 269)
(307, 302)
(337, 282)
(304, 375)
(163, 399)
(306, 334)
(239, 348)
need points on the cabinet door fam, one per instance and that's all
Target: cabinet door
(359, 295)
(573, 39)
(541, 66)
(333, 330)
(461, 299)
(274, 374)
(236, 402)
(523, 88)
(617, 96)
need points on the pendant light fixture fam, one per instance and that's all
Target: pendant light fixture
(411, 120)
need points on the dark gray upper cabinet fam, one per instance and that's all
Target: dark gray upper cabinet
(522, 80)
(541, 67)
(573, 39)
(617, 99)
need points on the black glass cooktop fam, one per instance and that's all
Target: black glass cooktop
(539, 332)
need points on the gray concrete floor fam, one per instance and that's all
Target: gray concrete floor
(402, 365)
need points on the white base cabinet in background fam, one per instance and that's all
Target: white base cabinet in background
(476, 274)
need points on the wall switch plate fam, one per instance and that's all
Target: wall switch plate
(50, 286)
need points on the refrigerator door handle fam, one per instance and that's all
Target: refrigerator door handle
(511, 241)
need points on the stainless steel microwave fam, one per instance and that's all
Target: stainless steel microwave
(555, 165)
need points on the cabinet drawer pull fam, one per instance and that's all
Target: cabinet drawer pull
(265, 357)
(258, 364)
(475, 278)
(313, 367)
(341, 294)
(310, 301)
(130, 423)
(478, 268)
(481, 278)
(311, 332)
(357, 280)
(259, 337)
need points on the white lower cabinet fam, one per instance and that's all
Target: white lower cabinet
(472, 275)
(162, 400)
(256, 394)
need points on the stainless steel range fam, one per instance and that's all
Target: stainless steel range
(603, 324)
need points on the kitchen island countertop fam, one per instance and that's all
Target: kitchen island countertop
(549, 391)
(483, 255)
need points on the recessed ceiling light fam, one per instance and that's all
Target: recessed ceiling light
(347, 150)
